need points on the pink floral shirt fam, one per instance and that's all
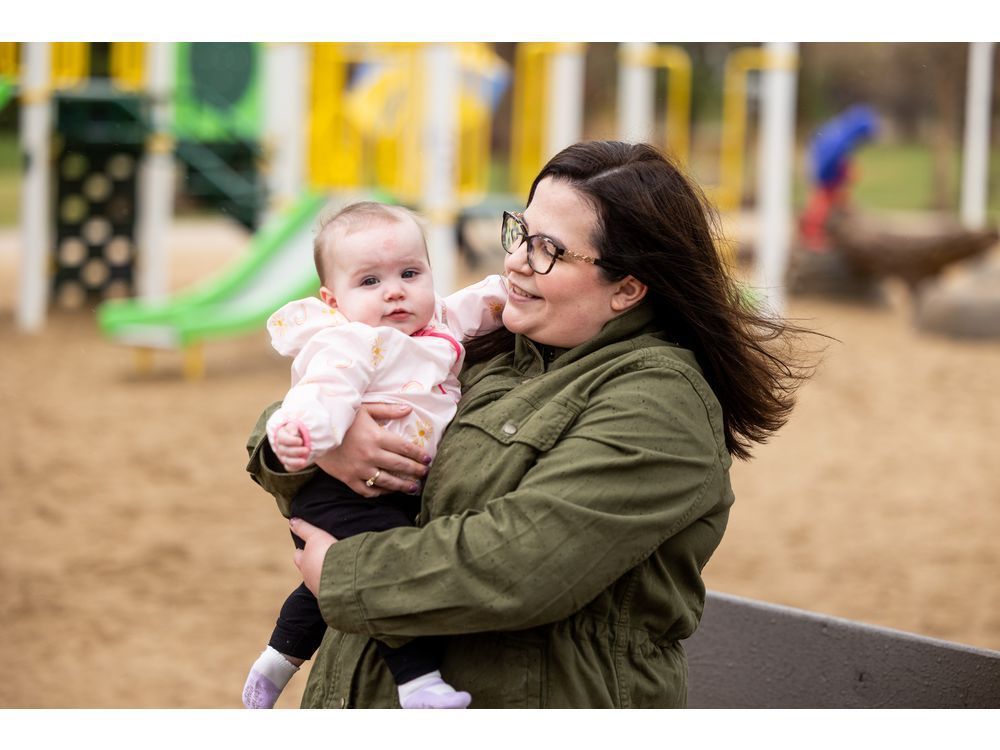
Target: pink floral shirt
(339, 365)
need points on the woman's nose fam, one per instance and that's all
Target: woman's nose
(517, 261)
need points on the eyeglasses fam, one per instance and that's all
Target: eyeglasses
(542, 251)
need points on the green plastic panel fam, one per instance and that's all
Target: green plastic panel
(219, 92)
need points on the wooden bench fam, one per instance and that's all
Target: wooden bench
(751, 654)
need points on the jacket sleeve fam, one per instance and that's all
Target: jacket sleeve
(477, 308)
(265, 469)
(640, 463)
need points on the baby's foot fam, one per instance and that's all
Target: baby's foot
(268, 677)
(427, 698)
(259, 692)
(431, 691)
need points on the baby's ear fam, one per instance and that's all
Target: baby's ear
(327, 296)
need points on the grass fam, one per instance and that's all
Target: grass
(10, 179)
(900, 177)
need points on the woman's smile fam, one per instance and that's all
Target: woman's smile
(519, 293)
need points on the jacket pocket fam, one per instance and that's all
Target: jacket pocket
(515, 420)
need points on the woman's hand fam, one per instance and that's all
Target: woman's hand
(369, 451)
(309, 560)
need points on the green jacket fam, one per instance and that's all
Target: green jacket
(573, 502)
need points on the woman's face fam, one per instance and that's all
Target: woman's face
(570, 304)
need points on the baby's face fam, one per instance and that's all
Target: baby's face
(379, 275)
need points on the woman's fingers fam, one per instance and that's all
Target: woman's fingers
(309, 560)
(367, 449)
(389, 482)
(404, 467)
(385, 412)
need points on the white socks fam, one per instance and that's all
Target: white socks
(268, 677)
(431, 691)
(272, 671)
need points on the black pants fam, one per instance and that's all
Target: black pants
(331, 505)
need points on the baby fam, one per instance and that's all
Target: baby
(380, 334)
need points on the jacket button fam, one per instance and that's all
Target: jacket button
(510, 428)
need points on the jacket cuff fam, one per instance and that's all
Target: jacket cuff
(338, 600)
(265, 469)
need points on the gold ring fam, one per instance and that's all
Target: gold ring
(374, 478)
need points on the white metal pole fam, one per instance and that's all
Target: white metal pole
(777, 149)
(36, 126)
(156, 177)
(438, 163)
(635, 93)
(564, 125)
(285, 98)
(976, 149)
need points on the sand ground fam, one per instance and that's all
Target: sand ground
(140, 567)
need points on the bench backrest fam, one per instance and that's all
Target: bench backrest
(751, 654)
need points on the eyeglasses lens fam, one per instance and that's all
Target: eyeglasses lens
(541, 253)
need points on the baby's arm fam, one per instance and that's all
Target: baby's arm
(476, 309)
(335, 369)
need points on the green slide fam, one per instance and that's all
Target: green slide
(278, 268)
(6, 92)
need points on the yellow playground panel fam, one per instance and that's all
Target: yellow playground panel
(71, 64)
(530, 92)
(335, 145)
(8, 60)
(128, 65)
(368, 131)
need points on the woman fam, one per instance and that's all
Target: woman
(584, 482)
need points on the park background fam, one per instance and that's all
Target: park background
(140, 567)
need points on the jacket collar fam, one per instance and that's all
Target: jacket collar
(530, 355)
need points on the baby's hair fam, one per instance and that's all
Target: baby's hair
(358, 216)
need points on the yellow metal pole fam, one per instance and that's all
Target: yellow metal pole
(528, 112)
(128, 65)
(8, 60)
(678, 120)
(410, 164)
(143, 360)
(70, 63)
(475, 128)
(677, 63)
(734, 125)
(734, 117)
(194, 361)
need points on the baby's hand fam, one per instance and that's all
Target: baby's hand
(290, 448)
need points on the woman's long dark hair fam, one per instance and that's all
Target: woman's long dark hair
(654, 224)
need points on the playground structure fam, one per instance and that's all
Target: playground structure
(359, 104)
(261, 130)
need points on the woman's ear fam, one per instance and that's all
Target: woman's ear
(629, 293)
(327, 296)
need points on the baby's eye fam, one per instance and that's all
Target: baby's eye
(410, 273)
(369, 281)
